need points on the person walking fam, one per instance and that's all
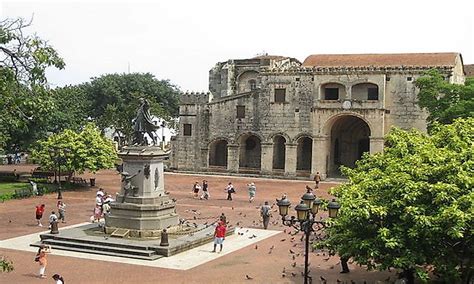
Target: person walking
(252, 191)
(219, 235)
(230, 190)
(62, 211)
(317, 179)
(344, 266)
(196, 189)
(205, 190)
(41, 259)
(39, 214)
(265, 212)
(58, 278)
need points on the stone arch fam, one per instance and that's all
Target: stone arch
(303, 134)
(240, 136)
(349, 139)
(272, 136)
(304, 152)
(279, 152)
(365, 91)
(332, 90)
(218, 152)
(250, 152)
(244, 81)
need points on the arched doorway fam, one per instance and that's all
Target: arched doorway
(250, 152)
(349, 141)
(304, 152)
(279, 150)
(218, 153)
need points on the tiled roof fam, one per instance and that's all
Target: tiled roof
(381, 60)
(469, 70)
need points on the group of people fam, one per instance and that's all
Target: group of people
(16, 158)
(61, 207)
(229, 189)
(205, 190)
(102, 205)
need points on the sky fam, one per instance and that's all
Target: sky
(182, 40)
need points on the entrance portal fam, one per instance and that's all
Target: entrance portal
(218, 153)
(304, 154)
(250, 152)
(279, 152)
(349, 141)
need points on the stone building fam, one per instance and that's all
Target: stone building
(276, 116)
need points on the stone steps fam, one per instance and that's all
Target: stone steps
(102, 248)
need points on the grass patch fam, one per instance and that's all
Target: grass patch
(9, 187)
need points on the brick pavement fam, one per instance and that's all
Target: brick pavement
(17, 219)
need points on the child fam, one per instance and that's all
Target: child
(41, 259)
(219, 235)
(196, 189)
(39, 214)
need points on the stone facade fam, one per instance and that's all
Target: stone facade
(274, 115)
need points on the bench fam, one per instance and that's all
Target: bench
(79, 180)
(42, 174)
(23, 193)
(8, 176)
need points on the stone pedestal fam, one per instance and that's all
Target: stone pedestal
(142, 207)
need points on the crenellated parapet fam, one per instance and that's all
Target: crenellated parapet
(190, 98)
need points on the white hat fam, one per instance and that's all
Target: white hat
(252, 183)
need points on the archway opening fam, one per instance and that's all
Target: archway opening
(304, 152)
(349, 141)
(218, 153)
(279, 150)
(250, 152)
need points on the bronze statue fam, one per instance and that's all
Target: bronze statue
(143, 124)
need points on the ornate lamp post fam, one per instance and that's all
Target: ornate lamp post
(309, 204)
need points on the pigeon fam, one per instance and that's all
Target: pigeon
(283, 275)
(272, 247)
(293, 274)
(293, 264)
(282, 240)
(284, 270)
(232, 207)
(248, 277)
(292, 252)
(256, 246)
(294, 257)
(338, 281)
(106, 238)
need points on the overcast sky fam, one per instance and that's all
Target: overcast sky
(182, 40)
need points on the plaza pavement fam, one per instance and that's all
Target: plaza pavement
(262, 258)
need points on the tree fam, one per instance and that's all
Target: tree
(25, 102)
(114, 99)
(86, 150)
(71, 109)
(5, 264)
(443, 100)
(411, 207)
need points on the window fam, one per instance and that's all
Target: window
(372, 94)
(409, 78)
(187, 129)
(280, 95)
(240, 111)
(331, 93)
(253, 85)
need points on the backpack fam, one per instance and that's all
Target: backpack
(37, 258)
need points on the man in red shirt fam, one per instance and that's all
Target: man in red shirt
(39, 214)
(219, 235)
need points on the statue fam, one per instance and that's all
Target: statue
(143, 124)
(127, 184)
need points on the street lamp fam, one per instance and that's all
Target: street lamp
(59, 157)
(309, 203)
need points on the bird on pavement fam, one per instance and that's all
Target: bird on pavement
(248, 277)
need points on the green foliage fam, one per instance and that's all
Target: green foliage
(87, 150)
(26, 102)
(412, 205)
(6, 265)
(444, 101)
(71, 109)
(114, 99)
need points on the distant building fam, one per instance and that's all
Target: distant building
(469, 70)
(273, 115)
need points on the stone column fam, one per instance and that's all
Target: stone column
(291, 155)
(320, 156)
(204, 159)
(232, 158)
(267, 158)
(376, 144)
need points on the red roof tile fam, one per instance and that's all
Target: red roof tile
(381, 60)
